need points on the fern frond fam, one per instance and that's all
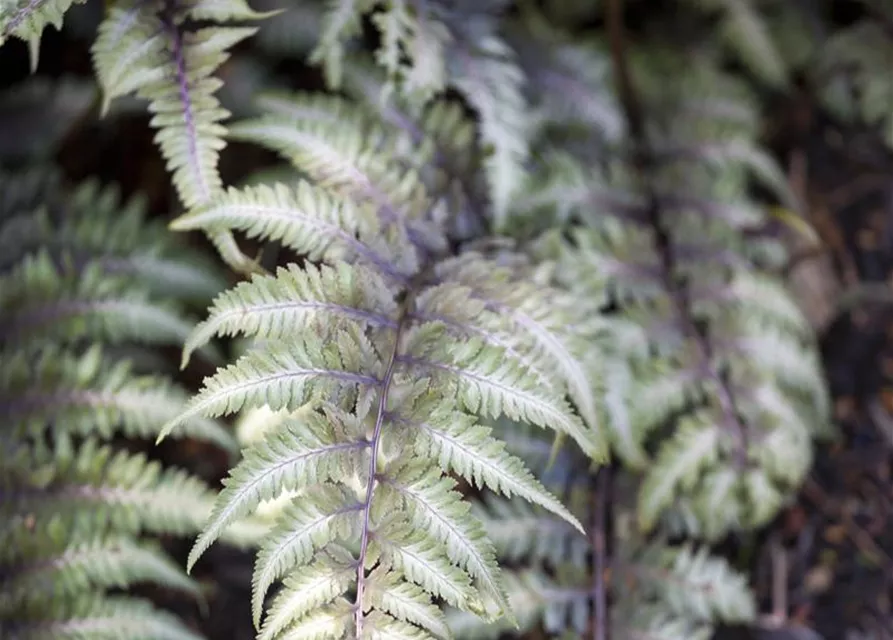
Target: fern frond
(93, 486)
(746, 30)
(492, 82)
(77, 513)
(384, 357)
(426, 49)
(84, 394)
(295, 455)
(103, 617)
(141, 49)
(298, 298)
(567, 83)
(144, 48)
(544, 320)
(651, 582)
(725, 376)
(340, 21)
(93, 223)
(847, 69)
(42, 301)
(469, 451)
(96, 564)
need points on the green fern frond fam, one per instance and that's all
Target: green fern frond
(324, 136)
(98, 617)
(411, 51)
(735, 385)
(383, 357)
(144, 48)
(746, 30)
(77, 280)
(40, 300)
(650, 583)
(848, 71)
(95, 487)
(426, 49)
(340, 21)
(93, 223)
(567, 83)
(492, 82)
(141, 49)
(101, 564)
(87, 393)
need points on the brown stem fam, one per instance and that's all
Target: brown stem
(599, 551)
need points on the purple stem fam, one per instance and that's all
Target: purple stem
(21, 15)
(177, 50)
(373, 472)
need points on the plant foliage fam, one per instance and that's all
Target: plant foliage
(86, 285)
(658, 590)
(397, 351)
(686, 281)
(491, 220)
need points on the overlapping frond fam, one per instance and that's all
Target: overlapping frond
(745, 30)
(93, 222)
(426, 48)
(489, 77)
(95, 616)
(734, 384)
(393, 366)
(381, 357)
(656, 589)
(77, 513)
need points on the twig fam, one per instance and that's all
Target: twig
(600, 625)
(779, 581)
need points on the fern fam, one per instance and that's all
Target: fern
(78, 513)
(657, 590)
(704, 328)
(148, 48)
(400, 350)
(388, 375)
(427, 48)
(849, 77)
(845, 65)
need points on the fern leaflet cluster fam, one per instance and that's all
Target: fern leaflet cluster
(79, 296)
(395, 353)
(658, 590)
(27, 19)
(426, 48)
(703, 327)
(403, 354)
(154, 50)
